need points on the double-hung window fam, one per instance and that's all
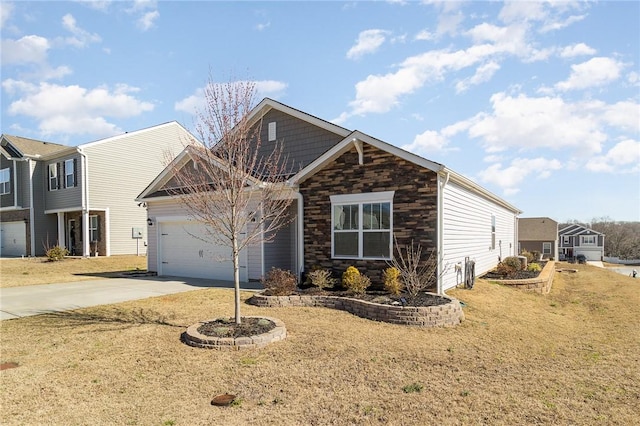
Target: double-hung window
(94, 235)
(546, 248)
(5, 181)
(362, 225)
(69, 174)
(53, 176)
(588, 240)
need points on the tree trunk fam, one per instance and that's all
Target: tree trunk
(236, 279)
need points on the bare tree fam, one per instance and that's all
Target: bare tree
(235, 189)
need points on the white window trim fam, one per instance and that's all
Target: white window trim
(583, 241)
(272, 131)
(6, 184)
(360, 200)
(67, 174)
(566, 240)
(92, 229)
(54, 167)
(546, 251)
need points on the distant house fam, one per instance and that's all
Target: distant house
(80, 197)
(577, 239)
(539, 234)
(353, 194)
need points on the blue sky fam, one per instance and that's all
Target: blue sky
(538, 102)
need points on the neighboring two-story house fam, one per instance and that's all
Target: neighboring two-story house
(81, 197)
(538, 234)
(577, 239)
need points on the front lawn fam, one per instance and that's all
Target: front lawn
(570, 357)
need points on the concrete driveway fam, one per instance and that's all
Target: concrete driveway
(18, 302)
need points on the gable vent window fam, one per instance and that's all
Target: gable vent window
(272, 131)
(493, 232)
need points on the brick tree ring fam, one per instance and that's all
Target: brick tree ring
(196, 335)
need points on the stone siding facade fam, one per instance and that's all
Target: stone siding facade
(414, 206)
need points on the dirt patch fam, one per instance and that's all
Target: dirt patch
(8, 365)
(226, 327)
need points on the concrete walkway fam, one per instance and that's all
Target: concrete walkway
(18, 302)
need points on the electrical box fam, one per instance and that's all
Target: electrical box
(136, 233)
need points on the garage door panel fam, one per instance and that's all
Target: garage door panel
(13, 239)
(185, 252)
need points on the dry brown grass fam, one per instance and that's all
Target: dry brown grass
(38, 270)
(571, 357)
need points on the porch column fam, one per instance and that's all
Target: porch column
(61, 237)
(86, 251)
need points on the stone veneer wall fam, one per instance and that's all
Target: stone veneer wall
(541, 284)
(414, 206)
(446, 314)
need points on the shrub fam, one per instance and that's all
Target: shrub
(355, 282)
(509, 266)
(350, 276)
(56, 253)
(391, 278)
(278, 282)
(417, 273)
(321, 278)
(360, 284)
(534, 267)
(530, 257)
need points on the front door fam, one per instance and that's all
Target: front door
(71, 237)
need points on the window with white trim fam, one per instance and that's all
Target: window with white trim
(493, 232)
(362, 225)
(5, 181)
(587, 240)
(53, 176)
(94, 235)
(272, 131)
(565, 240)
(69, 174)
(546, 248)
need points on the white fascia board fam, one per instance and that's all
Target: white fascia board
(165, 175)
(352, 139)
(137, 132)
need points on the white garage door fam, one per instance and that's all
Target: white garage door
(589, 254)
(183, 255)
(13, 239)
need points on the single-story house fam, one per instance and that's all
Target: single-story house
(353, 195)
(577, 239)
(538, 234)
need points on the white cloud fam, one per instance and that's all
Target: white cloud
(28, 49)
(264, 88)
(262, 27)
(101, 5)
(424, 35)
(522, 11)
(73, 109)
(560, 24)
(595, 72)
(427, 142)
(624, 157)
(483, 74)
(147, 21)
(6, 10)
(578, 49)
(81, 38)
(531, 123)
(510, 178)
(368, 42)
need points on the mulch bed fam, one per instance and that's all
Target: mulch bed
(520, 275)
(226, 327)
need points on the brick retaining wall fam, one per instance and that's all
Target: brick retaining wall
(541, 284)
(448, 314)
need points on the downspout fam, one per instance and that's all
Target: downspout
(300, 233)
(15, 184)
(440, 254)
(85, 203)
(32, 216)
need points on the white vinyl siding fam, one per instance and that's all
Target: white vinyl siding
(119, 169)
(466, 232)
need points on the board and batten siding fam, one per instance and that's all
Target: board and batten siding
(120, 168)
(466, 231)
(170, 210)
